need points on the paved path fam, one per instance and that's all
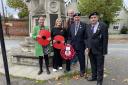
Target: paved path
(116, 68)
(26, 71)
(116, 65)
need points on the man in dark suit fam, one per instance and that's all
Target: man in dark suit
(77, 37)
(97, 46)
(69, 22)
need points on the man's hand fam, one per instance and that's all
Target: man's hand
(67, 44)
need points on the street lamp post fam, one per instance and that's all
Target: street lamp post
(5, 17)
(3, 49)
(2, 8)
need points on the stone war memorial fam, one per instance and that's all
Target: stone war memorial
(51, 9)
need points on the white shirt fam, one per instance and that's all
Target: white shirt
(95, 27)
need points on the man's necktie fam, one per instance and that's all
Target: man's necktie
(76, 28)
(92, 28)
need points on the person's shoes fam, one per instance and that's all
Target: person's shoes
(48, 72)
(91, 78)
(99, 83)
(81, 74)
(60, 68)
(54, 70)
(40, 72)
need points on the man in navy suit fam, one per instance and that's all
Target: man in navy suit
(97, 46)
(77, 37)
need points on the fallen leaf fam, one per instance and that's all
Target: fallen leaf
(125, 80)
(87, 75)
(113, 79)
(105, 69)
(105, 75)
(37, 81)
(59, 83)
(76, 77)
(57, 78)
(49, 82)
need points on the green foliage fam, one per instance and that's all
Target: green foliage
(107, 8)
(124, 30)
(20, 5)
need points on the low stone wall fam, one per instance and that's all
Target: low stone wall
(19, 27)
(122, 38)
(118, 37)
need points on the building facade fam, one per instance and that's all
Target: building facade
(122, 21)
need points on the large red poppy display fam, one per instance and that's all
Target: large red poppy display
(45, 37)
(58, 42)
(67, 52)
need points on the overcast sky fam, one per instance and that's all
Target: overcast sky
(14, 12)
(126, 3)
(9, 10)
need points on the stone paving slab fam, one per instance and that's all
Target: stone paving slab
(116, 65)
(31, 72)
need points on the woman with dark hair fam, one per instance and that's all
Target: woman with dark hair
(41, 51)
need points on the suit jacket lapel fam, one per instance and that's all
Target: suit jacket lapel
(99, 27)
(73, 29)
(80, 27)
(90, 31)
(97, 31)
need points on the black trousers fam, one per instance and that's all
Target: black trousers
(81, 57)
(68, 64)
(97, 65)
(57, 60)
(41, 61)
